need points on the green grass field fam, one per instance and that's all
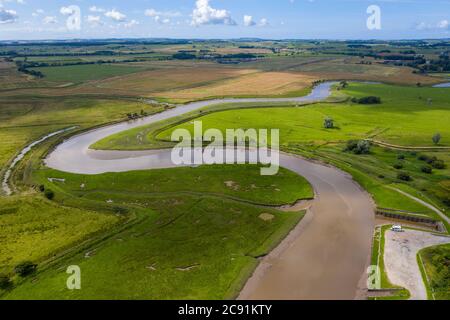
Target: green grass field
(404, 118)
(435, 261)
(185, 237)
(243, 182)
(34, 229)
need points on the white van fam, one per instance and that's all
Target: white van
(397, 228)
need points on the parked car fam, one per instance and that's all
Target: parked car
(397, 228)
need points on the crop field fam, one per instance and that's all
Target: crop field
(251, 85)
(148, 83)
(81, 73)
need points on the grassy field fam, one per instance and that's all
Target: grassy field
(34, 229)
(187, 236)
(243, 182)
(175, 254)
(25, 119)
(435, 262)
(404, 118)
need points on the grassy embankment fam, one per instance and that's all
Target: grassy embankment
(377, 259)
(434, 266)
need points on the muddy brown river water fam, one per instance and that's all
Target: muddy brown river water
(325, 257)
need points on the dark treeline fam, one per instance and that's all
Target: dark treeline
(15, 54)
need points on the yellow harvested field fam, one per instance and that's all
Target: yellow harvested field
(254, 84)
(171, 79)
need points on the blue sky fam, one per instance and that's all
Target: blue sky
(275, 19)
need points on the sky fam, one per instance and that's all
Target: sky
(224, 19)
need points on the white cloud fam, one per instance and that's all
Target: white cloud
(248, 21)
(8, 16)
(49, 20)
(94, 20)
(169, 14)
(96, 9)
(66, 11)
(443, 24)
(205, 14)
(115, 15)
(37, 12)
(263, 22)
(131, 24)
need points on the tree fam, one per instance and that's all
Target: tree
(404, 176)
(437, 138)
(438, 164)
(398, 165)
(328, 123)
(25, 268)
(5, 282)
(367, 100)
(49, 194)
(427, 169)
(344, 84)
(358, 146)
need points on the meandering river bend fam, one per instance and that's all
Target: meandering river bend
(325, 257)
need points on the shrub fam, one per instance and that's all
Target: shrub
(41, 188)
(5, 282)
(431, 160)
(446, 202)
(49, 194)
(401, 157)
(398, 165)
(25, 268)
(120, 210)
(367, 100)
(358, 146)
(423, 157)
(438, 164)
(404, 176)
(328, 123)
(436, 138)
(427, 169)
